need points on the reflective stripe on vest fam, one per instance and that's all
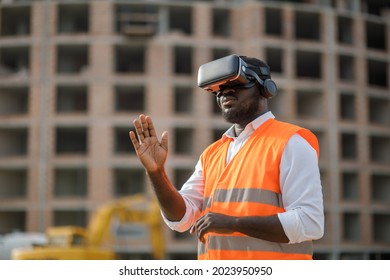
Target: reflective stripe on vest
(245, 246)
(249, 186)
(255, 195)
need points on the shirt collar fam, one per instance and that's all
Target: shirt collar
(252, 126)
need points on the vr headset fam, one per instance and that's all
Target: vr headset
(232, 71)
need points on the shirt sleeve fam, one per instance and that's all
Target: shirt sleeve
(192, 193)
(301, 192)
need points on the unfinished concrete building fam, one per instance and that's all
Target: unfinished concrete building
(74, 74)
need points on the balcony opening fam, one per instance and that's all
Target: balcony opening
(73, 18)
(129, 181)
(377, 73)
(71, 140)
(15, 21)
(72, 59)
(380, 149)
(180, 19)
(273, 21)
(345, 30)
(72, 99)
(352, 226)
(307, 25)
(347, 106)
(15, 61)
(13, 183)
(309, 104)
(308, 64)
(70, 182)
(183, 99)
(129, 98)
(375, 7)
(379, 110)
(137, 20)
(376, 35)
(350, 186)
(348, 146)
(221, 23)
(380, 188)
(70, 217)
(122, 142)
(184, 141)
(14, 100)
(183, 60)
(130, 59)
(381, 223)
(13, 142)
(274, 58)
(346, 68)
(12, 221)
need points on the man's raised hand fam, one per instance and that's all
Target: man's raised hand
(151, 152)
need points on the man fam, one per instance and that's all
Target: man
(255, 193)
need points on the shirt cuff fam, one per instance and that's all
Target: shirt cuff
(292, 225)
(183, 225)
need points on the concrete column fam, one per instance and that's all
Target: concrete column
(101, 17)
(159, 61)
(202, 21)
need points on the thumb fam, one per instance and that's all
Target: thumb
(164, 140)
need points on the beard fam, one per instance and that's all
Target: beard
(243, 113)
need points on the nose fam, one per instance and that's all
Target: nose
(224, 91)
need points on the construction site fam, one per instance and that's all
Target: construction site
(74, 74)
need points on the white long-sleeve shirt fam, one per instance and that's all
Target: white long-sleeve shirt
(299, 182)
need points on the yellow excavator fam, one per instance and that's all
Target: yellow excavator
(93, 243)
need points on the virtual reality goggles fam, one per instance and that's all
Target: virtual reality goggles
(232, 71)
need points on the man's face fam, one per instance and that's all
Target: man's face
(239, 106)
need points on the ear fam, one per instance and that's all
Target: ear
(218, 102)
(269, 88)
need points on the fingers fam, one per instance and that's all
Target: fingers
(212, 222)
(200, 228)
(144, 127)
(152, 131)
(134, 140)
(164, 140)
(138, 130)
(195, 230)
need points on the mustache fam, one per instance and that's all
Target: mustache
(228, 93)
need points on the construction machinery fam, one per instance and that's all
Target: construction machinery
(95, 242)
(10, 241)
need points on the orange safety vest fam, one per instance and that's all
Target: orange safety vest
(249, 186)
